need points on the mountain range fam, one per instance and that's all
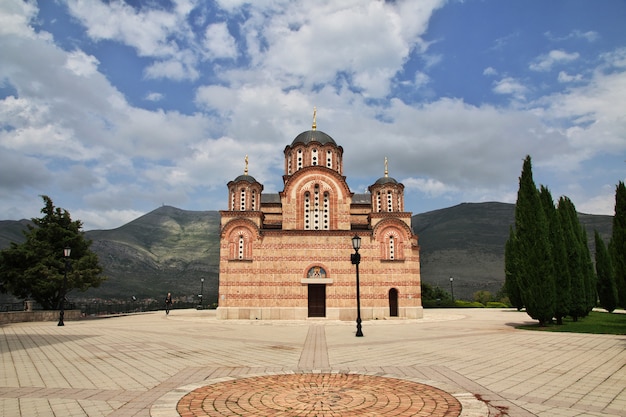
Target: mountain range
(171, 249)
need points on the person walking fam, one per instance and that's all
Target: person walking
(168, 303)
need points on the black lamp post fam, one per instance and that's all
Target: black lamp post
(356, 260)
(66, 254)
(452, 287)
(201, 293)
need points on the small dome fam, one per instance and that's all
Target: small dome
(313, 136)
(247, 178)
(386, 180)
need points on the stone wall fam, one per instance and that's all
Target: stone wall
(37, 315)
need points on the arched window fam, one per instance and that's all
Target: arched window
(253, 199)
(391, 246)
(307, 210)
(389, 201)
(316, 209)
(299, 165)
(240, 244)
(329, 159)
(326, 212)
(289, 164)
(242, 200)
(241, 247)
(232, 199)
(314, 159)
(378, 202)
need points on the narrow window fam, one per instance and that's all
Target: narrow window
(389, 201)
(329, 159)
(242, 201)
(316, 207)
(392, 248)
(307, 210)
(241, 247)
(326, 224)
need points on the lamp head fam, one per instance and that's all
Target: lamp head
(356, 242)
(67, 251)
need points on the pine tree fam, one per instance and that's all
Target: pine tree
(559, 256)
(35, 269)
(607, 290)
(575, 257)
(535, 269)
(617, 246)
(511, 284)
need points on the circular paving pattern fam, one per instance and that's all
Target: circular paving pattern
(319, 395)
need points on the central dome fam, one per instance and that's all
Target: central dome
(313, 136)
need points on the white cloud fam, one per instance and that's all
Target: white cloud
(153, 96)
(547, 61)
(82, 64)
(589, 36)
(147, 31)
(428, 186)
(564, 77)
(490, 71)
(219, 43)
(510, 86)
(15, 17)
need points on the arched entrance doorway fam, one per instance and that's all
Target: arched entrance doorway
(317, 300)
(393, 302)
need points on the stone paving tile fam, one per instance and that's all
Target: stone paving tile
(143, 365)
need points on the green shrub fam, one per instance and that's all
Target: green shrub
(468, 304)
(496, 304)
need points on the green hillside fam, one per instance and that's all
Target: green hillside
(170, 249)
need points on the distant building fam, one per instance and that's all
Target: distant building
(287, 255)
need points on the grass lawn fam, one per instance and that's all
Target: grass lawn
(596, 322)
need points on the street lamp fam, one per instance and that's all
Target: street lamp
(201, 292)
(452, 287)
(356, 260)
(66, 254)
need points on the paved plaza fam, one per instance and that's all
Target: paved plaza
(457, 362)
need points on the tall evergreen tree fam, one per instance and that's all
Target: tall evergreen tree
(607, 290)
(559, 256)
(617, 246)
(575, 257)
(590, 280)
(535, 269)
(511, 283)
(35, 268)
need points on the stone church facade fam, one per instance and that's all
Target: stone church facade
(287, 255)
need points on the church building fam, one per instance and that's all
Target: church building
(288, 255)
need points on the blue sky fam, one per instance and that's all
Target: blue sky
(115, 108)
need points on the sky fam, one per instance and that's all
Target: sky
(115, 108)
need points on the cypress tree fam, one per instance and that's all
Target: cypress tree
(575, 260)
(511, 284)
(590, 280)
(559, 256)
(617, 246)
(534, 269)
(607, 290)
